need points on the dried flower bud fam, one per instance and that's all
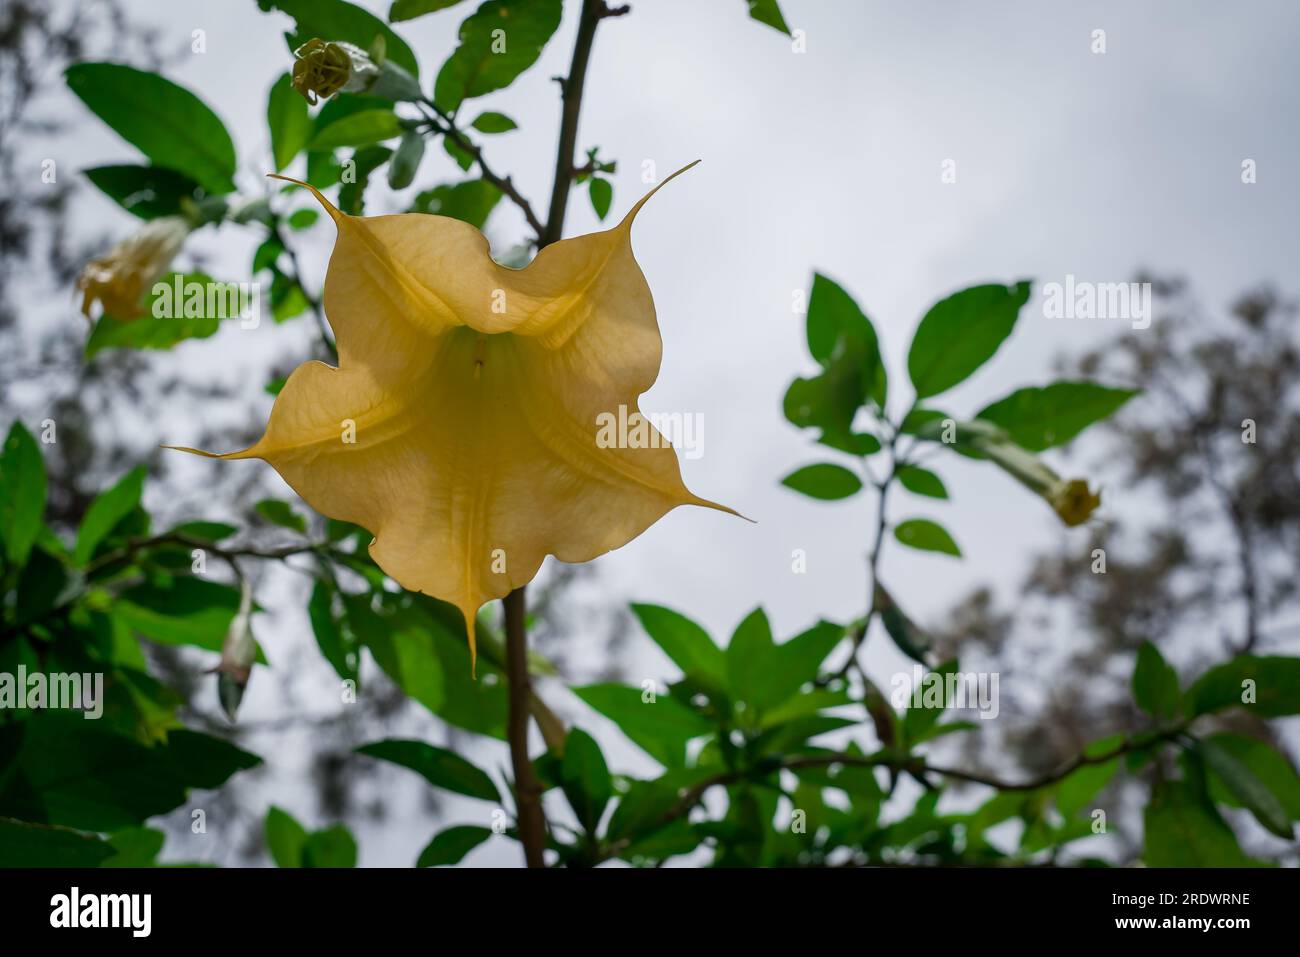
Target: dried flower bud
(323, 69)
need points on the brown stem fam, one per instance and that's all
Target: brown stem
(528, 790)
(593, 11)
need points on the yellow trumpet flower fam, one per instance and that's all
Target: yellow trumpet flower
(460, 426)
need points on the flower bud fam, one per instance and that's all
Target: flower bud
(119, 279)
(323, 69)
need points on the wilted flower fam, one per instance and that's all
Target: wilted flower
(323, 69)
(119, 279)
(460, 426)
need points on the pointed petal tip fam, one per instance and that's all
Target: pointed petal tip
(705, 503)
(631, 214)
(241, 454)
(334, 212)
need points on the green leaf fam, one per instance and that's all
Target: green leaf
(451, 846)
(352, 196)
(602, 195)
(490, 122)
(206, 531)
(1266, 764)
(334, 20)
(843, 341)
(438, 766)
(136, 847)
(1183, 830)
(1253, 794)
(794, 664)
(470, 202)
(684, 642)
(928, 536)
(1155, 683)
(750, 655)
(406, 161)
(910, 639)
(959, 334)
(358, 129)
(302, 219)
(22, 493)
(660, 725)
(188, 611)
(150, 332)
(1042, 418)
(339, 647)
(497, 43)
(286, 115)
(409, 10)
(145, 191)
(824, 481)
(584, 778)
(23, 844)
(331, 847)
(108, 508)
(166, 122)
(281, 513)
(1269, 686)
(1083, 784)
(286, 839)
(921, 481)
(769, 13)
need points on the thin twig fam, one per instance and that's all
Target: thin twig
(528, 790)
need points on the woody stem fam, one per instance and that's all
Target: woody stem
(528, 790)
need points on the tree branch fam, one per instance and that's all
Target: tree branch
(528, 790)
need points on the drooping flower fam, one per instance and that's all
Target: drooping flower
(118, 279)
(322, 69)
(461, 424)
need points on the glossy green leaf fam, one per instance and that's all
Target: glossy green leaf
(23, 844)
(824, 481)
(959, 334)
(1155, 683)
(287, 118)
(451, 846)
(166, 122)
(768, 12)
(410, 9)
(285, 838)
(657, 723)
(438, 766)
(584, 778)
(1253, 794)
(602, 196)
(358, 129)
(1042, 418)
(923, 534)
(145, 191)
(108, 508)
(1267, 686)
(497, 43)
(921, 481)
(490, 122)
(279, 512)
(1183, 830)
(331, 847)
(1268, 766)
(470, 202)
(22, 493)
(750, 655)
(684, 642)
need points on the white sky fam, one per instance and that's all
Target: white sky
(1068, 162)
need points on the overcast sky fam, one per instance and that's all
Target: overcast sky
(1068, 162)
